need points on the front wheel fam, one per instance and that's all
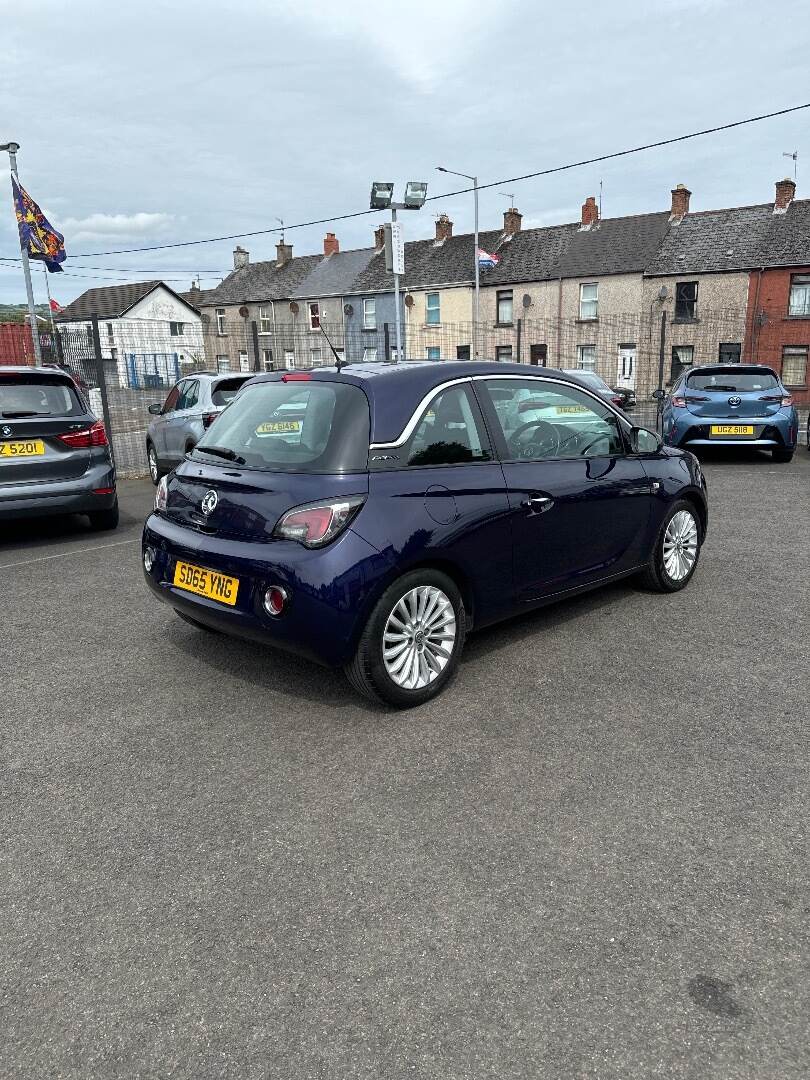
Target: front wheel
(155, 471)
(411, 645)
(782, 457)
(676, 552)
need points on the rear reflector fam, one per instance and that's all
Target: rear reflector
(83, 440)
(103, 491)
(296, 376)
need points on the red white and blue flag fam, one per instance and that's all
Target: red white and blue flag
(37, 236)
(487, 261)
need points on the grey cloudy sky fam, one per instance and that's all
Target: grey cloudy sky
(147, 123)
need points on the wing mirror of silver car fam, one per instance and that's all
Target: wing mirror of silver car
(155, 408)
(658, 395)
(644, 441)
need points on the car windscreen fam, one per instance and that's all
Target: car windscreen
(226, 390)
(733, 381)
(292, 427)
(24, 395)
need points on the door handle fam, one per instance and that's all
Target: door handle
(538, 503)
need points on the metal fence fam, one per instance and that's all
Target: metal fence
(128, 365)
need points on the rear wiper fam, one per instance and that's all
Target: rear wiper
(22, 413)
(222, 451)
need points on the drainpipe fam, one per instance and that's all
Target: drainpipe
(559, 317)
(754, 323)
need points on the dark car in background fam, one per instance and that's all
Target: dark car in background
(371, 517)
(54, 453)
(192, 405)
(598, 384)
(732, 405)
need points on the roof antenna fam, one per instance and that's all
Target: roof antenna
(510, 197)
(795, 156)
(339, 361)
(281, 223)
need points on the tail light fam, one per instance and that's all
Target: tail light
(82, 440)
(162, 495)
(617, 400)
(209, 418)
(679, 403)
(318, 524)
(787, 401)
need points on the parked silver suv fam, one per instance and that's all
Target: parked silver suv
(192, 406)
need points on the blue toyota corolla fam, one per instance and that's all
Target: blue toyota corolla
(732, 405)
(370, 517)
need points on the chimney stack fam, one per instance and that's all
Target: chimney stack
(283, 253)
(511, 221)
(680, 202)
(331, 244)
(590, 212)
(785, 191)
(379, 238)
(240, 257)
(444, 227)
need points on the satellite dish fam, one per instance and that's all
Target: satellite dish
(243, 311)
(527, 300)
(205, 319)
(294, 307)
(408, 301)
(348, 310)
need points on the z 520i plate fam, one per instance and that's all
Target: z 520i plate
(204, 582)
(743, 430)
(22, 448)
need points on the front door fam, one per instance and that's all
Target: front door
(538, 355)
(626, 373)
(579, 504)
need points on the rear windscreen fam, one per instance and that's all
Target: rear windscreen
(226, 390)
(733, 381)
(293, 427)
(20, 396)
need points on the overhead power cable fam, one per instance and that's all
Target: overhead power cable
(460, 191)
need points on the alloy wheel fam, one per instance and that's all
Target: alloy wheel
(419, 637)
(680, 545)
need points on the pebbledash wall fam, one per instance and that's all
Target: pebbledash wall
(771, 329)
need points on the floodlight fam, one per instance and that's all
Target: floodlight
(415, 195)
(381, 195)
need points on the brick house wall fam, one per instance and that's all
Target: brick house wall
(769, 327)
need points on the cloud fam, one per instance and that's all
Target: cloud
(115, 226)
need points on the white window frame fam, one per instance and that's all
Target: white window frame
(795, 351)
(289, 359)
(369, 354)
(314, 310)
(267, 359)
(370, 313)
(244, 360)
(800, 284)
(316, 357)
(433, 349)
(502, 356)
(505, 296)
(223, 362)
(265, 321)
(589, 305)
(220, 317)
(430, 308)
(584, 364)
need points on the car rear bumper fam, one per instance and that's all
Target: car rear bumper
(330, 589)
(46, 498)
(769, 433)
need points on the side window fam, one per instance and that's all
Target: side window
(189, 394)
(544, 420)
(170, 404)
(448, 432)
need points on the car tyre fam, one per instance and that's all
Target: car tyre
(420, 616)
(155, 470)
(101, 520)
(782, 457)
(193, 622)
(671, 566)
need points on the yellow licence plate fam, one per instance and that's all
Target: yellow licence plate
(278, 426)
(23, 448)
(731, 429)
(208, 583)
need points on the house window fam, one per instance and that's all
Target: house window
(176, 329)
(683, 357)
(432, 310)
(315, 357)
(265, 320)
(586, 357)
(799, 295)
(114, 354)
(110, 331)
(289, 358)
(370, 313)
(243, 361)
(267, 359)
(794, 365)
(314, 316)
(538, 355)
(503, 301)
(503, 354)
(220, 313)
(686, 299)
(462, 352)
(223, 362)
(729, 352)
(589, 301)
(434, 352)
(370, 355)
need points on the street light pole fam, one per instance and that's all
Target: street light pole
(12, 148)
(477, 301)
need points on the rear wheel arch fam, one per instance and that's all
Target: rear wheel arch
(456, 575)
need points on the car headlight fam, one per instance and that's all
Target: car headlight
(162, 495)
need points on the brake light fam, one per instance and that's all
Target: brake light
(162, 494)
(95, 435)
(679, 403)
(617, 400)
(786, 401)
(296, 376)
(209, 418)
(318, 524)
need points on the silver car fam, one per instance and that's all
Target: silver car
(192, 405)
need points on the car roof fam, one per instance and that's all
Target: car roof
(715, 369)
(28, 369)
(395, 390)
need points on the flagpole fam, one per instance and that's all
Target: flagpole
(12, 148)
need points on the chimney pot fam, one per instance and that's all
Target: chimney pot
(283, 253)
(590, 212)
(331, 244)
(785, 192)
(444, 227)
(511, 220)
(379, 238)
(680, 202)
(240, 257)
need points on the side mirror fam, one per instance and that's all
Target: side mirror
(644, 441)
(155, 408)
(658, 395)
